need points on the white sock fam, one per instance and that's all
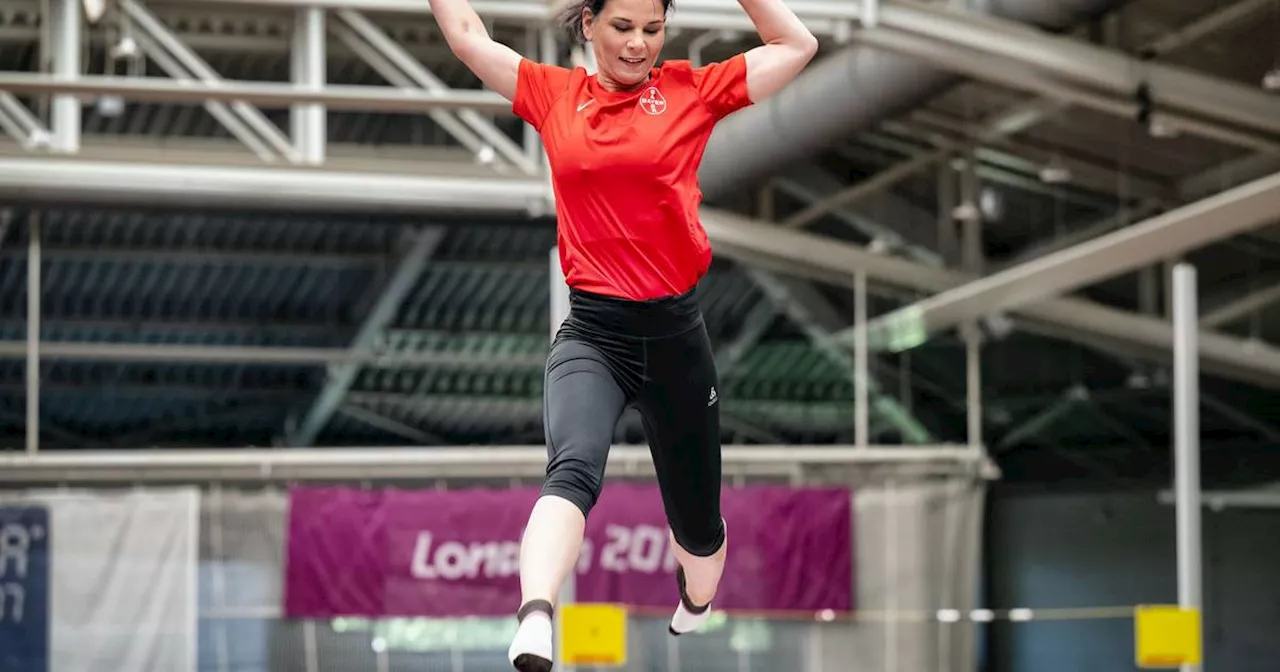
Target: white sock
(686, 621)
(685, 618)
(534, 637)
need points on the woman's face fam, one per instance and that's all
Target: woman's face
(626, 36)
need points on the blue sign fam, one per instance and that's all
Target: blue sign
(24, 589)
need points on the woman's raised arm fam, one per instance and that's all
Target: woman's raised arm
(496, 64)
(788, 47)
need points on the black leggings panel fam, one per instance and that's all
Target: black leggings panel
(655, 356)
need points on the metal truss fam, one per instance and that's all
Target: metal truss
(821, 258)
(1162, 237)
(753, 243)
(961, 35)
(1065, 71)
(401, 70)
(1062, 71)
(376, 321)
(806, 308)
(180, 62)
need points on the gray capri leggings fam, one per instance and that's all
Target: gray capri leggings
(612, 353)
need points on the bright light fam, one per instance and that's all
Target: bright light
(1271, 81)
(94, 9)
(1020, 614)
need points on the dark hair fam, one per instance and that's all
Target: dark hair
(571, 17)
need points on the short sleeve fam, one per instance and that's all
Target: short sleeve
(723, 85)
(537, 87)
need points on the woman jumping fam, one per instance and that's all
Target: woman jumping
(624, 147)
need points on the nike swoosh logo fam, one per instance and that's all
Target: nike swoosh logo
(583, 106)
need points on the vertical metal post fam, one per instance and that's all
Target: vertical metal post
(1186, 456)
(309, 73)
(66, 65)
(973, 384)
(971, 259)
(222, 649)
(33, 333)
(860, 411)
(870, 13)
(891, 530)
(310, 652)
(559, 311)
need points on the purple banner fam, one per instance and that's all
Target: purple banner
(436, 553)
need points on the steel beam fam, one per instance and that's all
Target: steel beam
(1240, 307)
(309, 74)
(369, 463)
(383, 311)
(378, 421)
(35, 269)
(293, 189)
(911, 233)
(1162, 237)
(265, 94)
(1262, 497)
(823, 17)
(21, 124)
(227, 354)
(66, 52)
(1080, 235)
(1221, 18)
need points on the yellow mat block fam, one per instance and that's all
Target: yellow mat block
(593, 634)
(1166, 636)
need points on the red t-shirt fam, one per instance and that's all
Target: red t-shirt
(624, 170)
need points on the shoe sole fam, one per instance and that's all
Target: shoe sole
(528, 662)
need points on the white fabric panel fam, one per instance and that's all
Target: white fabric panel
(241, 568)
(917, 549)
(123, 594)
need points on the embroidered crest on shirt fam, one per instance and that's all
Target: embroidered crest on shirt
(652, 101)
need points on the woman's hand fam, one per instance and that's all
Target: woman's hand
(496, 64)
(788, 47)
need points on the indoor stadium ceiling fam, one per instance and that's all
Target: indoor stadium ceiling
(445, 312)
